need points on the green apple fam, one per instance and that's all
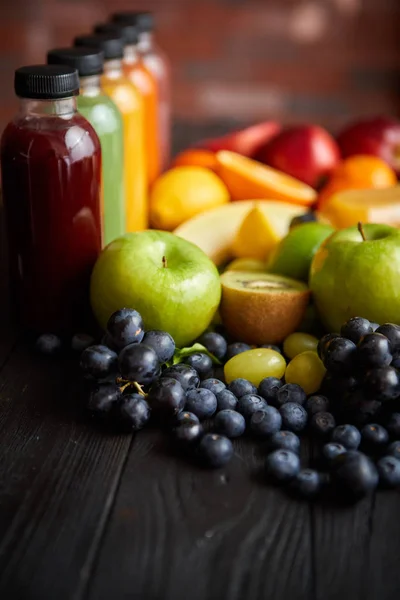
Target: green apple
(170, 281)
(352, 276)
(293, 255)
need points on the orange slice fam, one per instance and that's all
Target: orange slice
(247, 178)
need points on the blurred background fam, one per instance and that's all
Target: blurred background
(238, 61)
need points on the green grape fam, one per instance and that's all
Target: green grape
(296, 343)
(307, 370)
(255, 365)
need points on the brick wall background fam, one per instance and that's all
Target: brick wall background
(236, 61)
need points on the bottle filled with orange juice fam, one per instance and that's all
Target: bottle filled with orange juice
(136, 71)
(157, 63)
(129, 101)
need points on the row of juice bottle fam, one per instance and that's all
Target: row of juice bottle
(91, 135)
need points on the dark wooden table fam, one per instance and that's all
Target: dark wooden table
(85, 514)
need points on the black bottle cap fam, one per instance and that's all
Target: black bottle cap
(129, 33)
(143, 20)
(46, 82)
(111, 45)
(87, 61)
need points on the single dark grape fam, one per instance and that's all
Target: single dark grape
(323, 344)
(389, 471)
(322, 424)
(186, 375)
(201, 362)
(355, 473)
(382, 383)
(355, 329)
(330, 451)
(226, 400)
(162, 343)
(339, 356)
(308, 217)
(215, 450)
(125, 327)
(240, 387)
(307, 483)
(393, 449)
(392, 333)
(138, 362)
(103, 398)
(81, 341)
(235, 349)
(215, 344)
(186, 416)
(249, 404)
(315, 404)
(48, 344)
(134, 411)
(374, 437)
(265, 422)
(373, 350)
(269, 388)
(294, 416)
(282, 465)
(230, 423)
(166, 397)
(98, 362)
(284, 440)
(188, 432)
(201, 402)
(336, 386)
(290, 392)
(346, 435)
(214, 385)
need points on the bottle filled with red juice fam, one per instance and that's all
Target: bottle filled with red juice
(157, 63)
(51, 181)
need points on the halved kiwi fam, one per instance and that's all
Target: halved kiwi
(262, 308)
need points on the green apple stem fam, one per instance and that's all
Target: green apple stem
(164, 262)
(361, 230)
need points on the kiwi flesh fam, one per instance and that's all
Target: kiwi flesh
(262, 308)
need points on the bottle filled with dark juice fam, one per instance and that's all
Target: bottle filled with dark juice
(51, 182)
(104, 116)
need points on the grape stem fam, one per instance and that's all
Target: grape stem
(127, 384)
(361, 230)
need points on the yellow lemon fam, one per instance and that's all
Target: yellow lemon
(183, 192)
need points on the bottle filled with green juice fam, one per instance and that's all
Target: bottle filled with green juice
(106, 119)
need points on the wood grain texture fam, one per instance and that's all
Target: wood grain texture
(177, 531)
(58, 477)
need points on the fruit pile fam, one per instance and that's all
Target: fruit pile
(216, 391)
(302, 167)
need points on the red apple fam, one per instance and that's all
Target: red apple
(379, 136)
(245, 141)
(307, 152)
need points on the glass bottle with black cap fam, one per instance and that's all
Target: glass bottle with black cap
(130, 104)
(51, 172)
(106, 119)
(135, 69)
(157, 62)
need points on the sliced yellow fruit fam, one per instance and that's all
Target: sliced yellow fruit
(256, 237)
(349, 207)
(215, 230)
